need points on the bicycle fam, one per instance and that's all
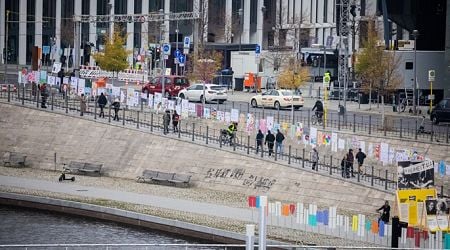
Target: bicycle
(402, 105)
(316, 120)
(225, 138)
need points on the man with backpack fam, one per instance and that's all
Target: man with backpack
(102, 101)
(270, 140)
(360, 156)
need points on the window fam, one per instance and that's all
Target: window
(325, 11)
(181, 81)
(274, 93)
(409, 65)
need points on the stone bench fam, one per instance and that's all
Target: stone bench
(85, 168)
(164, 178)
(14, 159)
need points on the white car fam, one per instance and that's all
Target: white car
(213, 93)
(277, 98)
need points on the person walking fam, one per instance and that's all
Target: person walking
(314, 158)
(360, 156)
(350, 160)
(82, 104)
(175, 120)
(259, 140)
(166, 121)
(344, 170)
(44, 95)
(270, 140)
(116, 107)
(102, 101)
(279, 142)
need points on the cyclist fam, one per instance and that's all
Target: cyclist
(318, 106)
(231, 130)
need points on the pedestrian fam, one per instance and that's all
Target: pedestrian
(344, 171)
(175, 120)
(314, 158)
(360, 156)
(350, 160)
(82, 104)
(279, 142)
(270, 139)
(116, 107)
(102, 101)
(44, 95)
(259, 140)
(166, 121)
(386, 214)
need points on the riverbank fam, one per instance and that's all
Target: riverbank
(232, 200)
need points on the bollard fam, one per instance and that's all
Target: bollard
(303, 158)
(309, 118)
(220, 140)
(354, 122)
(38, 93)
(95, 110)
(23, 95)
(401, 128)
(53, 94)
(339, 122)
(9, 92)
(371, 181)
(123, 116)
(386, 180)
(207, 134)
(370, 124)
(442, 191)
(296, 155)
(179, 129)
(193, 131)
(331, 164)
(151, 122)
(234, 143)
(248, 144)
(278, 115)
(275, 152)
(250, 237)
(289, 156)
(415, 134)
(432, 132)
(137, 118)
(109, 113)
(262, 151)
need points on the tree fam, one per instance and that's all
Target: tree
(377, 68)
(205, 65)
(293, 75)
(114, 58)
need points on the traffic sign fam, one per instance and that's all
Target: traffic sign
(182, 60)
(187, 42)
(45, 50)
(176, 53)
(166, 49)
(431, 75)
(257, 50)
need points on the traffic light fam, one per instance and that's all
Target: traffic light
(158, 53)
(353, 10)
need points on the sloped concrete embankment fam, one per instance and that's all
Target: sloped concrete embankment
(125, 153)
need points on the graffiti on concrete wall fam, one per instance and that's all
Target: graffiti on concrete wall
(249, 180)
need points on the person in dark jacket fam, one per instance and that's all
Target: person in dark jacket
(270, 140)
(279, 138)
(166, 121)
(259, 140)
(344, 170)
(350, 160)
(102, 101)
(175, 120)
(44, 95)
(360, 156)
(318, 106)
(116, 107)
(386, 213)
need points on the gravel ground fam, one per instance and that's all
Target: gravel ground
(195, 194)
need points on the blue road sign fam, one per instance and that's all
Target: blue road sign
(187, 42)
(177, 53)
(46, 50)
(166, 49)
(257, 49)
(181, 58)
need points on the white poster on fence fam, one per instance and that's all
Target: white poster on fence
(137, 98)
(313, 136)
(116, 91)
(164, 104)
(144, 96)
(362, 146)
(234, 115)
(220, 116)
(370, 150)
(269, 123)
(81, 85)
(341, 144)
(122, 96)
(66, 80)
(184, 108)
(171, 105)
(58, 81)
(157, 99)
(206, 113)
(227, 117)
(51, 80)
(150, 101)
(130, 97)
(178, 109)
(384, 153)
(192, 110)
(334, 142)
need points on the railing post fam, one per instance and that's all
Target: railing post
(23, 94)
(339, 122)
(331, 164)
(66, 100)
(137, 118)
(442, 191)
(234, 142)
(289, 156)
(248, 144)
(354, 122)
(151, 122)
(179, 129)
(370, 124)
(109, 113)
(248, 107)
(386, 180)
(432, 132)
(193, 131)
(123, 116)
(278, 114)
(207, 134)
(276, 151)
(232, 104)
(220, 140)
(262, 151)
(95, 110)
(446, 140)
(303, 158)
(38, 93)
(415, 134)
(53, 94)
(9, 91)
(371, 181)
(309, 118)
(401, 128)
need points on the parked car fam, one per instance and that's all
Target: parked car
(441, 112)
(277, 98)
(213, 93)
(173, 85)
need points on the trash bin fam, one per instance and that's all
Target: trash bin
(239, 84)
(341, 110)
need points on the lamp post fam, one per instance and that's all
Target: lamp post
(415, 34)
(240, 12)
(177, 62)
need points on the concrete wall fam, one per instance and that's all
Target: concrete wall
(126, 153)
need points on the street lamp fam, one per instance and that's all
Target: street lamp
(415, 34)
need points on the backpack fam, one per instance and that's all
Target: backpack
(176, 117)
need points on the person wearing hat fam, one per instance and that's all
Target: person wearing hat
(116, 107)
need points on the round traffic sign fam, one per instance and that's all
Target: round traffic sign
(177, 53)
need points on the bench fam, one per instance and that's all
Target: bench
(14, 159)
(75, 167)
(162, 177)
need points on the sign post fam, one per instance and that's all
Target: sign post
(166, 52)
(186, 45)
(257, 59)
(326, 83)
(181, 61)
(431, 79)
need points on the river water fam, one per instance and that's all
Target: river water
(27, 226)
